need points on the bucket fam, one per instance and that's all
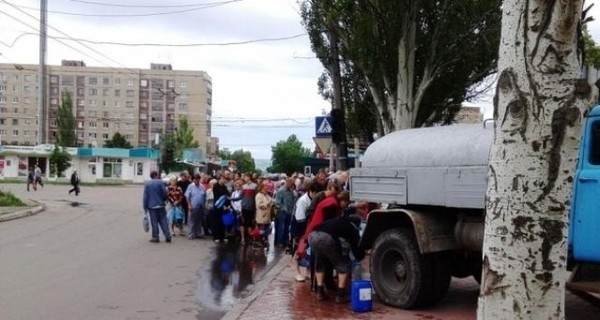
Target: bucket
(361, 296)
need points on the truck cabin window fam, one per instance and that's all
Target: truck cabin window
(595, 144)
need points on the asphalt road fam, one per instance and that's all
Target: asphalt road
(86, 257)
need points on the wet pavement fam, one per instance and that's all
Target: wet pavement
(285, 298)
(232, 276)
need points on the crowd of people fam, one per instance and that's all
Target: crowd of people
(311, 215)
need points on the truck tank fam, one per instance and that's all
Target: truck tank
(437, 166)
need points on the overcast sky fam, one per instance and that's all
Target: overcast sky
(251, 82)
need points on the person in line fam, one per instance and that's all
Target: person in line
(31, 180)
(37, 173)
(176, 200)
(154, 199)
(236, 203)
(208, 207)
(284, 201)
(75, 182)
(264, 203)
(183, 182)
(248, 206)
(298, 227)
(195, 195)
(328, 242)
(219, 190)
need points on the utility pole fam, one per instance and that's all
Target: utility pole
(342, 144)
(42, 94)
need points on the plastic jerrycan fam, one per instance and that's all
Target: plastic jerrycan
(360, 295)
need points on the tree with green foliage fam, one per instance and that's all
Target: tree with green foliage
(184, 137)
(59, 161)
(592, 50)
(118, 141)
(66, 122)
(419, 59)
(244, 160)
(287, 155)
(167, 154)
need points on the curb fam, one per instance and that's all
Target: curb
(22, 213)
(243, 304)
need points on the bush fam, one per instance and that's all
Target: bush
(7, 199)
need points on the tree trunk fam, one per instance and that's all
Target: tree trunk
(405, 111)
(540, 99)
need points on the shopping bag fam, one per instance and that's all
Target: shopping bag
(146, 223)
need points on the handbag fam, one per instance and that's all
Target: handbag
(146, 223)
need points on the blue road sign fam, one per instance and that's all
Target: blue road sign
(323, 126)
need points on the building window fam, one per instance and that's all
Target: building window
(129, 104)
(112, 168)
(105, 136)
(105, 125)
(92, 135)
(92, 102)
(130, 82)
(3, 132)
(53, 79)
(183, 107)
(105, 114)
(92, 114)
(16, 110)
(130, 93)
(25, 133)
(54, 101)
(27, 78)
(104, 104)
(80, 124)
(80, 102)
(183, 96)
(53, 123)
(2, 99)
(117, 81)
(27, 89)
(93, 80)
(144, 104)
(92, 124)
(143, 116)
(81, 114)
(27, 100)
(68, 81)
(93, 92)
(170, 84)
(15, 133)
(117, 93)
(105, 81)
(80, 92)
(105, 92)
(2, 121)
(54, 91)
(144, 83)
(183, 84)
(2, 88)
(15, 122)
(117, 103)
(15, 99)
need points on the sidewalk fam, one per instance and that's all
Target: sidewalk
(11, 213)
(284, 298)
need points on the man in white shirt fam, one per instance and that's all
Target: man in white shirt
(299, 225)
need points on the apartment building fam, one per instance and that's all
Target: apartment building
(138, 103)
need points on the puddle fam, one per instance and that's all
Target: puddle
(231, 276)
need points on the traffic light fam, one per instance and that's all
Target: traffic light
(338, 126)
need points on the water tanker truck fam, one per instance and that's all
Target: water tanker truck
(431, 183)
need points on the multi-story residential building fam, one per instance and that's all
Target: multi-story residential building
(138, 103)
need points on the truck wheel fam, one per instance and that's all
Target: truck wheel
(401, 275)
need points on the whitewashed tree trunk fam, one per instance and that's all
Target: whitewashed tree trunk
(539, 104)
(404, 112)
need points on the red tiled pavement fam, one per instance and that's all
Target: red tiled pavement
(284, 298)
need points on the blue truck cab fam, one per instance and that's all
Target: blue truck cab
(585, 211)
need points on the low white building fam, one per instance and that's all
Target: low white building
(93, 164)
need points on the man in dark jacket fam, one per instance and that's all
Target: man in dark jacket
(326, 243)
(155, 198)
(75, 183)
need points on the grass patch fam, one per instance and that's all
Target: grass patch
(7, 199)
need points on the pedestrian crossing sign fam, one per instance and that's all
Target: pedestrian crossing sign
(323, 126)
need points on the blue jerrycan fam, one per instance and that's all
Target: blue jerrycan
(360, 295)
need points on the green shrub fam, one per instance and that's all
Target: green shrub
(7, 199)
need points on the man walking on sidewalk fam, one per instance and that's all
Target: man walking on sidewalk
(75, 182)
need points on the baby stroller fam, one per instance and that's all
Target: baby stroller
(260, 237)
(228, 216)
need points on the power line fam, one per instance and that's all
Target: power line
(142, 6)
(162, 44)
(198, 7)
(53, 28)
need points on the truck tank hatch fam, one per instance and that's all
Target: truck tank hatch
(447, 146)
